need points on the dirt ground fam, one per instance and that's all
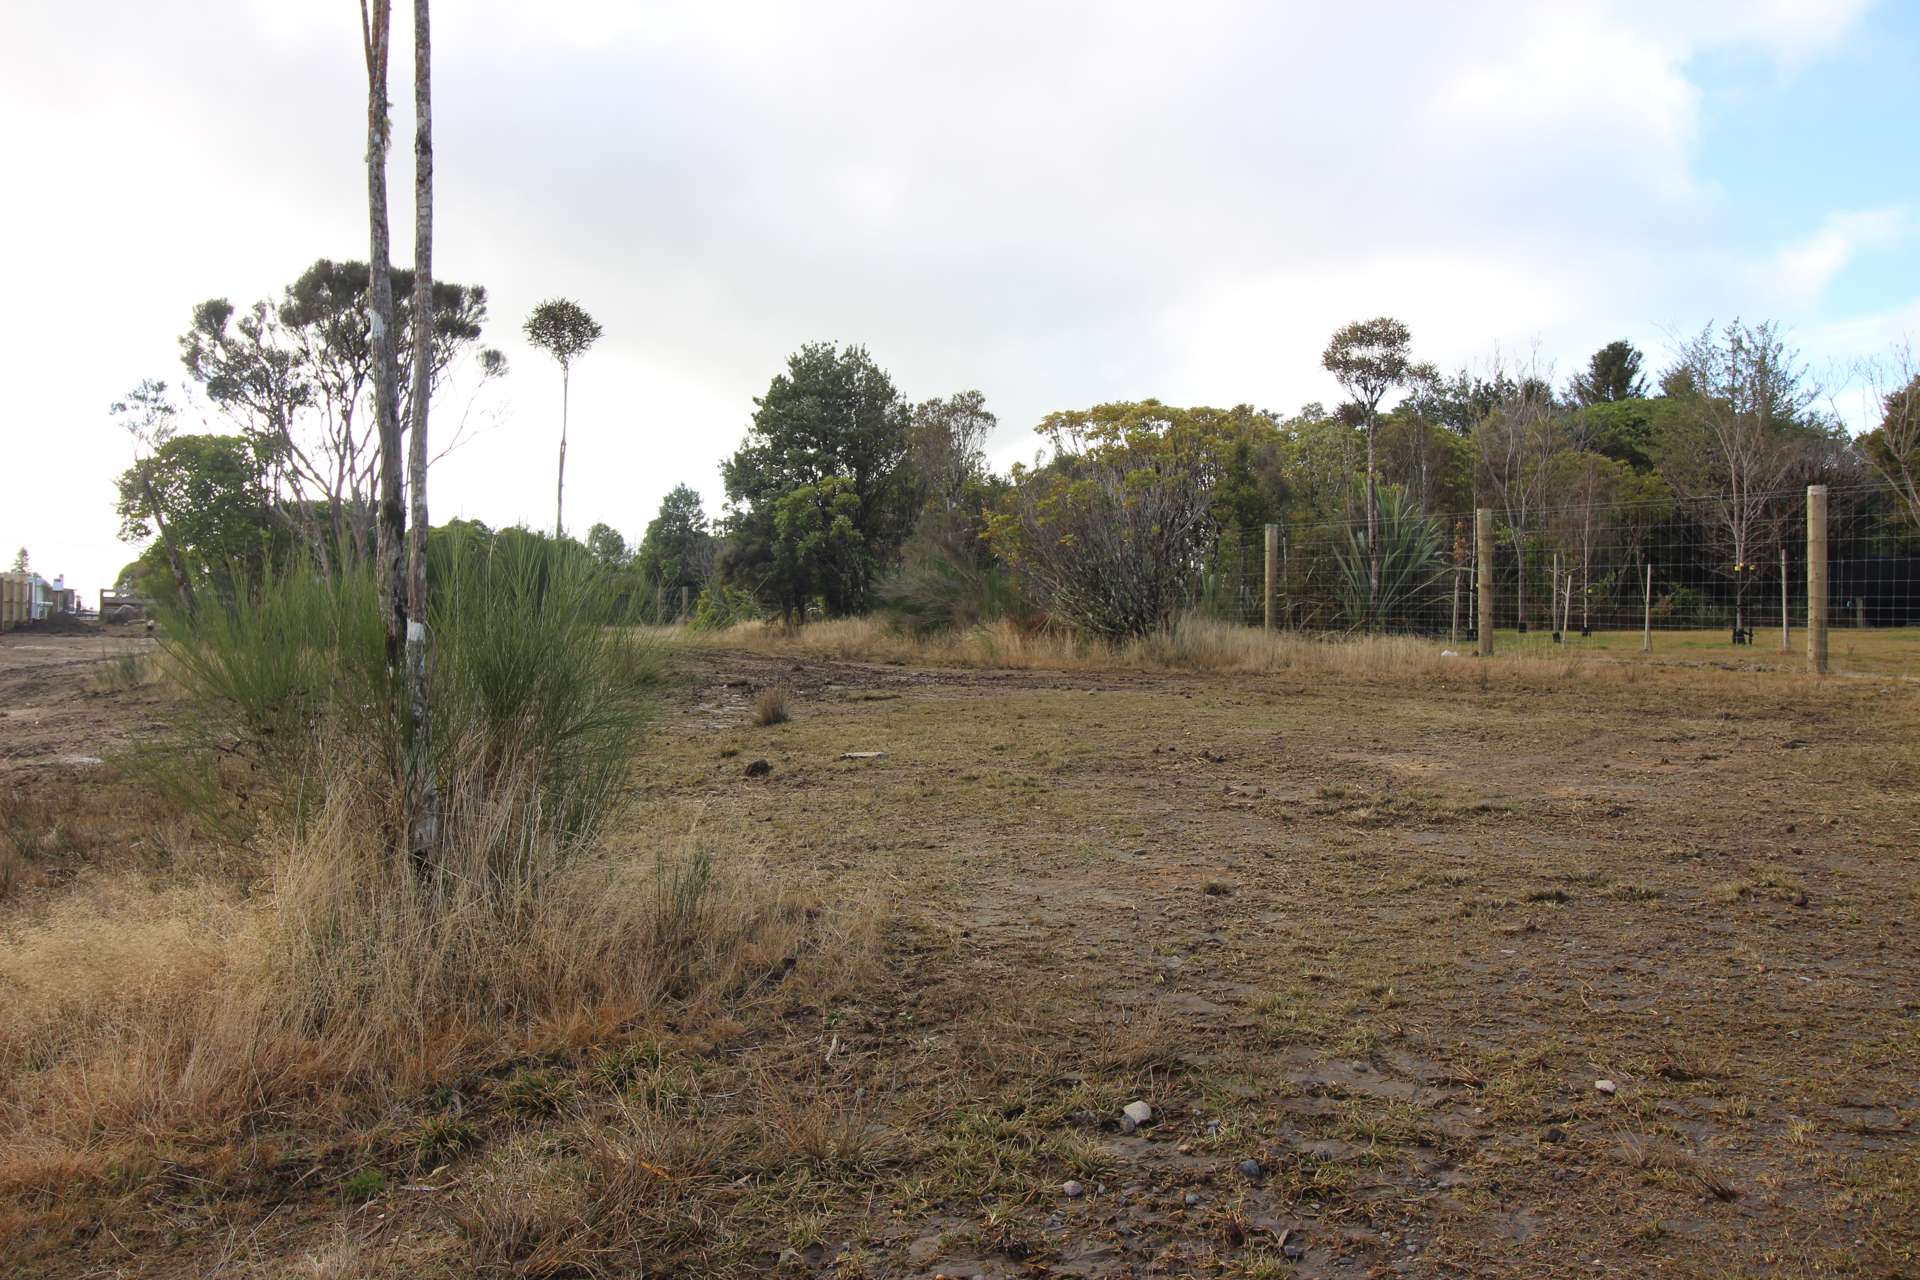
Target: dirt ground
(55, 699)
(1481, 976)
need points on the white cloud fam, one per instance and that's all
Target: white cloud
(1801, 272)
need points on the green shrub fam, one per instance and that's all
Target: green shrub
(530, 683)
(1410, 561)
(937, 591)
(720, 606)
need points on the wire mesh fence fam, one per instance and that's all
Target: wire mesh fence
(1737, 567)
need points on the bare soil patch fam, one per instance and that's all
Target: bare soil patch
(1365, 947)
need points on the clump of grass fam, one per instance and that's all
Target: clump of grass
(618, 1069)
(770, 707)
(123, 673)
(440, 1138)
(1764, 882)
(535, 1093)
(1663, 1156)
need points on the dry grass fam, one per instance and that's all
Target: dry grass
(1663, 1158)
(1200, 644)
(770, 707)
(145, 1009)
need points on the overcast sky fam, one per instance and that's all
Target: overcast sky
(1057, 204)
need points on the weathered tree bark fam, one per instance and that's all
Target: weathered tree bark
(1373, 526)
(560, 488)
(376, 20)
(423, 809)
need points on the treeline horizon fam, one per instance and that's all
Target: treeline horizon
(845, 497)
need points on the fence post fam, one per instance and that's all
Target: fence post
(1483, 541)
(1273, 576)
(1646, 625)
(686, 607)
(1786, 621)
(1817, 579)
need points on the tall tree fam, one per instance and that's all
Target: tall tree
(821, 499)
(1517, 443)
(1369, 358)
(677, 548)
(1894, 446)
(295, 377)
(148, 416)
(1612, 373)
(1734, 439)
(606, 546)
(201, 487)
(563, 329)
(423, 801)
(20, 562)
(376, 29)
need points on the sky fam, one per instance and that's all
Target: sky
(1057, 204)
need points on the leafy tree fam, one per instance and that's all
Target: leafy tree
(20, 562)
(202, 488)
(1894, 446)
(1612, 373)
(1623, 430)
(1112, 533)
(608, 547)
(1588, 486)
(1734, 439)
(148, 416)
(1517, 444)
(677, 548)
(562, 328)
(297, 377)
(947, 449)
(820, 494)
(1369, 358)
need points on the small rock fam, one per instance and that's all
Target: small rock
(1135, 1114)
(1252, 1168)
(862, 755)
(1072, 1190)
(1554, 1133)
(759, 769)
(1607, 1087)
(1192, 1198)
(1293, 1252)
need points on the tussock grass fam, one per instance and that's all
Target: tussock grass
(770, 707)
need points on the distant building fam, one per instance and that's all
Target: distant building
(28, 597)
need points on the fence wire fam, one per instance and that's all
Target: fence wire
(1671, 565)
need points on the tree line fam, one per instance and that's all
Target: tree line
(846, 497)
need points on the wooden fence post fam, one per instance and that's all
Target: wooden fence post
(1817, 579)
(1786, 621)
(1646, 625)
(1273, 576)
(1483, 540)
